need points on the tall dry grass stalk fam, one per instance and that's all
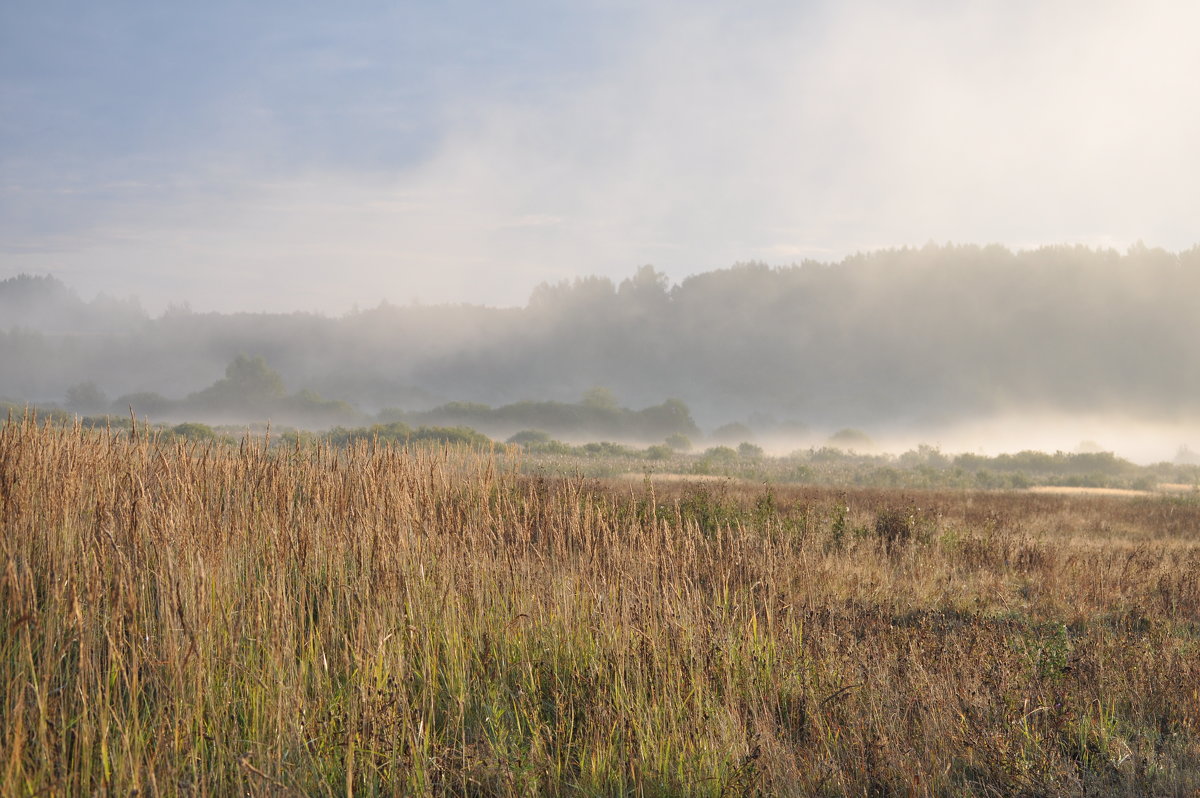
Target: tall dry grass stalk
(245, 620)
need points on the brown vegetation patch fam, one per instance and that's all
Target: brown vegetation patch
(1066, 490)
(187, 619)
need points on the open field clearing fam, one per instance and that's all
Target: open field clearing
(1178, 487)
(1062, 490)
(1073, 491)
(217, 620)
(693, 479)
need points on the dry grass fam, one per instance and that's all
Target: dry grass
(375, 621)
(1066, 490)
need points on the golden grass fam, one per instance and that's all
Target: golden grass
(248, 620)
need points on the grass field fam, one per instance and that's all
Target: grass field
(218, 620)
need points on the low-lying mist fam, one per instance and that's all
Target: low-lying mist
(967, 348)
(1142, 442)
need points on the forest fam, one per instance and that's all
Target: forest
(928, 335)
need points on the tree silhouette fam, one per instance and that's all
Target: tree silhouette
(250, 385)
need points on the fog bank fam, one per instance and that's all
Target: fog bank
(971, 347)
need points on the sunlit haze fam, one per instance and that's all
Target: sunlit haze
(300, 156)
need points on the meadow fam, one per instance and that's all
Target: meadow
(205, 618)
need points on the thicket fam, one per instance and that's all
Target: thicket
(253, 392)
(397, 433)
(597, 415)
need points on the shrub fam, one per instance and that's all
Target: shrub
(143, 404)
(850, 438)
(730, 433)
(607, 449)
(529, 436)
(721, 454)
(749, 450)
(679, 442)
(659, 452)
(894, 527)
(195, 432)
(444, 435)
(86, 397)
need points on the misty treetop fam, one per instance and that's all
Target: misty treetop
(45, 303)
(250, 391)
(936, 333)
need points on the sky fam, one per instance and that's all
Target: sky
(317, 156)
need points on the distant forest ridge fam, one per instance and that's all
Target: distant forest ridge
(923, 335)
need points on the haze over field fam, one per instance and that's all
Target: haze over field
(296, 157)
(968, 347)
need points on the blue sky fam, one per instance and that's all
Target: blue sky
(312, 156)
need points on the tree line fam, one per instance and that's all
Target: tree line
(929, 334)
